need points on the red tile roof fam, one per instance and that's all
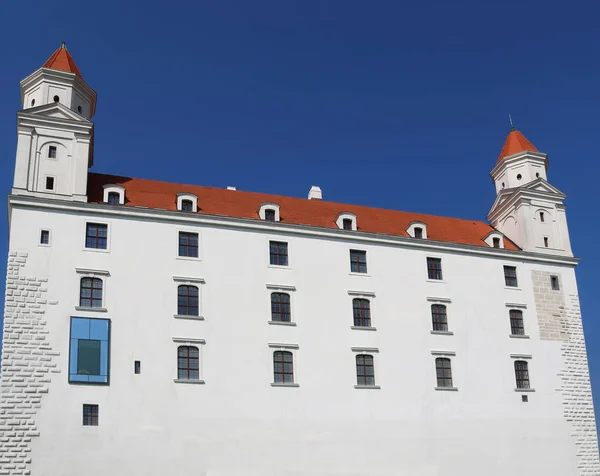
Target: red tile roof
(62, 60)
(318, 213)
(515, 143)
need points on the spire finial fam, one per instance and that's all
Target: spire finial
(512, 127)
(63, 45)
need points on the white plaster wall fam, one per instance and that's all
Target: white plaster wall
(237, 424)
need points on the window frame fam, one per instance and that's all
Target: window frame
(509, 278)
(187, 342)
(359, 319)
(52, 148)
(527, 360)
(113, 188)
(188, 281)
(358, 262)
(198, 246)
(554, 282)
(40, 235)
(181, 197)
(104, 356)
(94, 280)
(339, 221)
(439, 322)
(522, 376)
(92, 416)
(292, 349)
(103, 275)
(279, 242)
(281, 294)
(411, 230)
(52, 178)
(87, 222)
(441, 382)
(434, 271)
(262, 210)
(516, 317)
(372, 352)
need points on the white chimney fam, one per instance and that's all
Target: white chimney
(231, 188)
(315, 193)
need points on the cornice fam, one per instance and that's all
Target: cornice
(521, 195)
(221, 221)
(509, 160)
(34, 120)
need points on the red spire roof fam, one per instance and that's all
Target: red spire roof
(61, 60)
(515, 143)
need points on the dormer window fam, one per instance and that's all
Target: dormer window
(494, 239)
(114, 198)
(346, 221)
(418, 230)
(187, 202)
(114, 194)
(269, 211)
(187, 205)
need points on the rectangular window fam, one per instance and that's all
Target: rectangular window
(517, 328)
(278, 253)
(496, 242)
(522, 374)
(510, 276)
(434, 268)
(283, 367)
(45, 237)
(358, 261)
(89, 350)
(96, 235)
(49, 183)
(443, 372)
(137, 367)
(188, 244)
(418, 232)
(439, 317)
(554, 283)
(546, 241)
(90, 415)
(365, 371)
(270, 214)
(52, 152)
(347, 224)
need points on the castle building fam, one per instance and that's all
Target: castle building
(156, 329)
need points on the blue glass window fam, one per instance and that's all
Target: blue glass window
(89, 350)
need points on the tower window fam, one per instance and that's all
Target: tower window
(503, 185)
(358, 261)
(554, 283)
(32, 102)
(519, 177)
(361, 309)
(510, 276)
(522, 374)
(546, 241)
(434, 268)
(188, 244)
(90, 415)
(49, 183)
(280, 307)
(187, 300)
(537, 175)
(96, 235)
(496, 242)
(517, 327)
(365, 371)
(283, 367)
(137, 367)
(439, 317)
(278, 253)
(418, 232)
(45, 237)
(90, 292)
(542, 217)
(443, 372)
(56, 99)
(52, 152)
(188, 363)
(79, 109)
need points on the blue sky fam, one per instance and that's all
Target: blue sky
(391, 104)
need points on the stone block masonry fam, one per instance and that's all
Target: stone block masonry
(559, 319)
(28, 363)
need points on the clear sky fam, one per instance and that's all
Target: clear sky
(390, 104)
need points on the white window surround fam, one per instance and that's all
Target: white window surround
(438, 300)
(282, 288)
(289, 252)
(372, 351)
(194, 342)
(114, 189)
(39, 237)
(92, 273)
(417, 224)
(268, 206)
(187, 196)
(53, 189)
(339, 221)
(94, 221)
(489, 239)
(293, 348)
(527, 357)
(448, 354)
(369, 296)
(188, 230)
(198, 282)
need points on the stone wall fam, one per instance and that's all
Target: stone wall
(27, 365)
(560, 320)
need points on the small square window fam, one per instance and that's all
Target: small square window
(434, 268)
(96, 235)
(137, 367)
(49, 183)
(524, 398)
(90, 415)
(510, 276)
(554, 283)
(278, 253)
(45, 237)
(114, 198)
(52, 152)
(358, 261)
(188, 244)
(187, 206)
(270, 214)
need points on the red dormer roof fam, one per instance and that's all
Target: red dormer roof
(298, 211)
(515, 143)
(61, 60)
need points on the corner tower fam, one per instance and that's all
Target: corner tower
(55, 134)
(528, 209)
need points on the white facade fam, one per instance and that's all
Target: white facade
(232, 420)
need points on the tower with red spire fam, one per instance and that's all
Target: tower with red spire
(528, 209)
(55, 135)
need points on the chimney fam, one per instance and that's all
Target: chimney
(315, 193)
(231, 188)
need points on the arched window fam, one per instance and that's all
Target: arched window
(187, 300)
(187, 206)
(362, 312)
(280, 307)
(188, 363)
(283, 367)
(522, 374)
(516, 323)
(90, 292)
(114, 198)
(365, 371)
(439, 317)
(443, 372)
